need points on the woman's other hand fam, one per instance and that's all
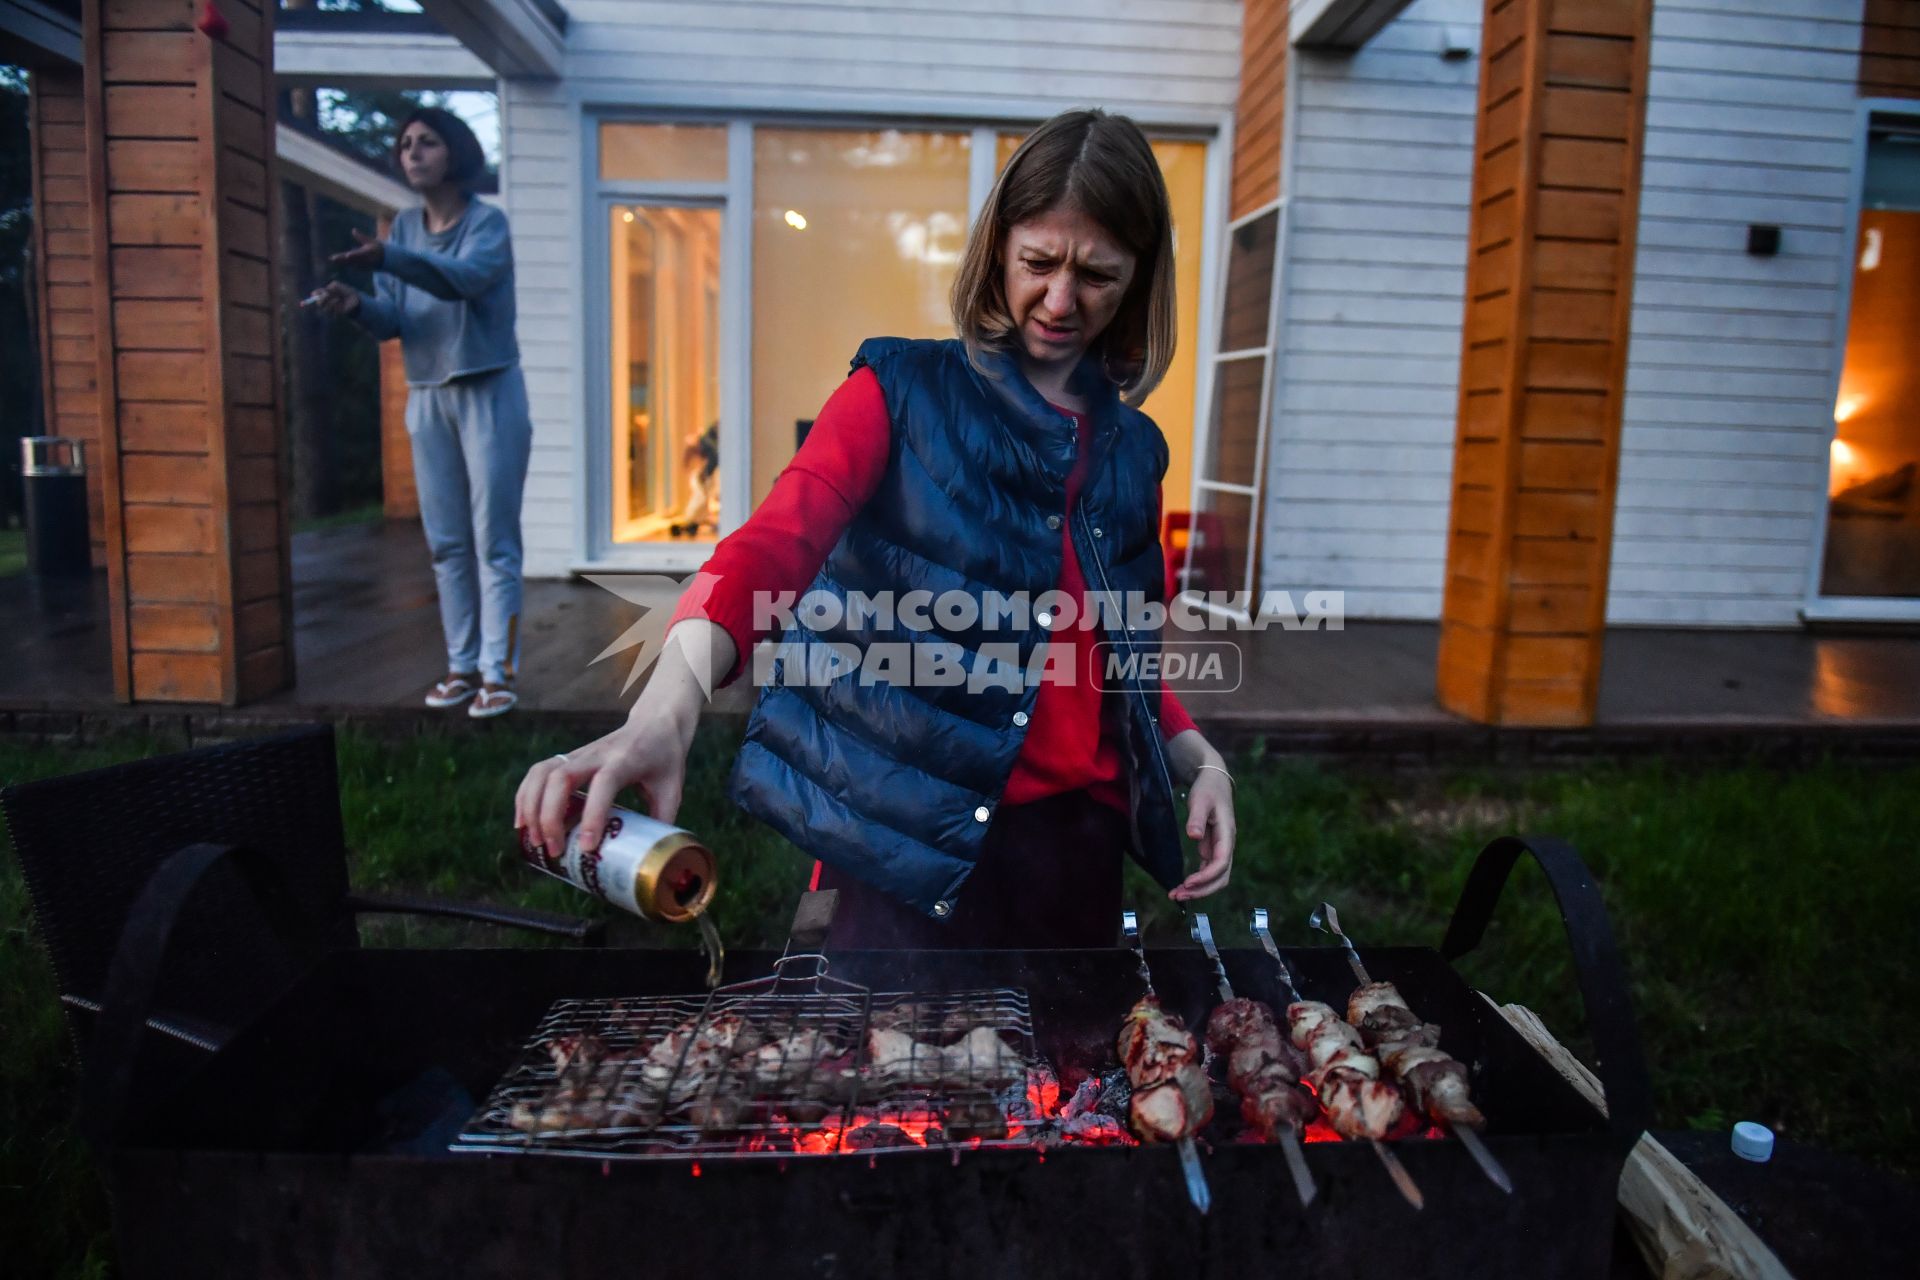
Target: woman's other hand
(336, 299)
(369, 253)
(1210, 818)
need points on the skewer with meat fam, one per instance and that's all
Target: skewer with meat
(1172, 1098)
(1435, 1081)
(1346, 1078)
(1262, 1068)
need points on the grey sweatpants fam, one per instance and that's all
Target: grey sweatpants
(471, 438)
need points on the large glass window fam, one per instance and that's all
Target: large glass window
(1873, 504)
(856, 234)
(665, 367)
(663, 152)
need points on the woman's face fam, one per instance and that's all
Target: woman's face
(1065, 277)
(423, 157)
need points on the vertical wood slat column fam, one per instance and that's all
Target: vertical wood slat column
(1556, 193)
(180, 129)
(399, 497)
(1258, 116)
(63, 272)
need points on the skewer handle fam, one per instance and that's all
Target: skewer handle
(1482, 1157)
(1263, 930)
(1130, 933)
(1303, 1184)
(1327, 920)
(1197, 1189)
(1409, 1190)
(1203, 934)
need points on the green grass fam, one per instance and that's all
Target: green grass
(13, 552)
(1767, 919)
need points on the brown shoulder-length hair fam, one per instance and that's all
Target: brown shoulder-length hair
(1101, 165)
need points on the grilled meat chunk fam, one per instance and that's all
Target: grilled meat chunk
(1262, 1068)
(1172, 1098)
(1435, 1082)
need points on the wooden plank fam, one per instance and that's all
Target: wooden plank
(243, 230)
(65, 217)
(1548, 659)
(171, 579)
(165, 479)
(177, 677)
(264, 672)
(68, 244)
(249, 381)
(1561, 465)
(253, 431)
(1539, 610)
(1617, 18)
(160, 326)
(153, 166)
(154, 112)
(65, 190)
(256, 575)
(162, 375)
(1566, 415)
(1583, 163)
(256, 525)
(1554, 561)
(152, 15)
(1578, 215)
(243, 178)
(169, 530)
(57, 97)
(1586, 113)
(241, 128)
(1575, 264)
(1485, 367)
(68, 271)
(156, 273)
(70, 326)
(63, 164)
(1555, 515)
(259, 626)
(175, 628)
(255, 479)
(1577, 366)
(236, 73)
(153, 57)
(247, 330)
(1546, 704)
(164, 428)
(154, 219)
(1589, 62)
(75, 351)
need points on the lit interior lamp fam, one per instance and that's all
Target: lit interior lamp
(1870, 251)
(1846, 408)
(796, 220)
(627, 216)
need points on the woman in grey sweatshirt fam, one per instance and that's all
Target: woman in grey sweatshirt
(444, 287)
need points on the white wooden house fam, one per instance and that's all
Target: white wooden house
(1718, 241)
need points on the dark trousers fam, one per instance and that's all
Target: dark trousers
(1049, 876)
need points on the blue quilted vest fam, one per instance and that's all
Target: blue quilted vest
(896, 781)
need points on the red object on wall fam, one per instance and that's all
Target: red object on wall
(1177, 530)
(212, 23)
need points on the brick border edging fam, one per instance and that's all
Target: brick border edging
(1386, 743)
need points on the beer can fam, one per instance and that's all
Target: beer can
(642, 865)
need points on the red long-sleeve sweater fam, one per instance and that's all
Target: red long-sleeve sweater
(814, 499)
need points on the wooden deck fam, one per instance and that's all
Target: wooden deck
(368, 646)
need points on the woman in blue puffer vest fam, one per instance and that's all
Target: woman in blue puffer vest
(964, 725)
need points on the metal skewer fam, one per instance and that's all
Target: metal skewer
(1409, 1190)
(1303, 1183)
(1327, 920)
(1197, 1189)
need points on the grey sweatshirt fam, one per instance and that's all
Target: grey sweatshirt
(447, 295)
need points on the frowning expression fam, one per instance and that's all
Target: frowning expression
(1065, 277)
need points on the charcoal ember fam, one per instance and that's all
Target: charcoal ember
(876, 1137)
(976, 1116)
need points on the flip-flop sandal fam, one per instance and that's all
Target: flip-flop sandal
(492, 702)
(450, 693)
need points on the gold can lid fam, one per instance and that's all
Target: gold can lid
(677, 880)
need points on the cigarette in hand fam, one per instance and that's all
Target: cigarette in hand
(313, 299)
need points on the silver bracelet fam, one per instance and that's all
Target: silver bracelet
(1231, 785)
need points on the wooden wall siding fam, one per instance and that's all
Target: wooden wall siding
(1555, 198)
(1751, 108)
(188, 361)
(63, 270)
(1259, 112)
(879, 59)
(1890, 49)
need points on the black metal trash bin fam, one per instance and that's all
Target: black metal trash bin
(53, 472)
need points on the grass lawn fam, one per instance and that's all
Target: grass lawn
(13, 552)
(1747, 902)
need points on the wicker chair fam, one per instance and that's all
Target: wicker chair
(182, 894)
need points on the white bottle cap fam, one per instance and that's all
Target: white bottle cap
(1753, 1142)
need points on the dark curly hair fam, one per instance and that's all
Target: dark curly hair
(466, 162)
